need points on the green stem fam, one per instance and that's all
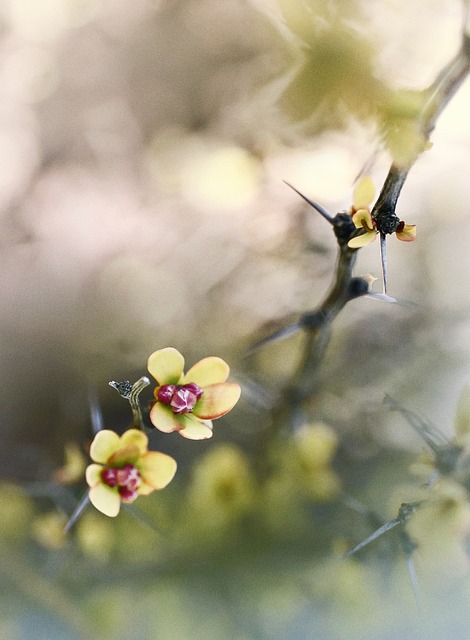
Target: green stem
(131, 393)
(137, 387)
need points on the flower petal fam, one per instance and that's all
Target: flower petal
(362, 240)
(166, 365)
(105, 499)
(157, 470)
(165, 420)
(217, 400)
(407, 234)
(145, 489)
(104, 445)
(135, 438)
(363, 220)
(197, 430)
(93, 474)
(211, 370)
(124, 455)
(363, 193)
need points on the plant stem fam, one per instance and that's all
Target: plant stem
(438, 95)
(317, 325)
(131, 393)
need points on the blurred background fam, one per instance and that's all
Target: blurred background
(143, 152)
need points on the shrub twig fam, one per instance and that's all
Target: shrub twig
(318, 323)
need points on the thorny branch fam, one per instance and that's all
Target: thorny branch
(407, 544)
(450, 460)
(405, 511)
(317, 324)
(436, 98)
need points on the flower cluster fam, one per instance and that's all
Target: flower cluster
(362, 217)
(123, 468)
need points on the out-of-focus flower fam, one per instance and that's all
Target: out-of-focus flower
(441, 528)
(362, 217)
(74, 465)
(313, 450)
(48, 530)
(96, 536)
(125, 469)
(316, 444)
(188, 403)
(223, 486)
(17, 510)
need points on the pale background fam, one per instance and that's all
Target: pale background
(143, 149)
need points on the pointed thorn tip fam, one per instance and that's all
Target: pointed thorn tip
(323, 212)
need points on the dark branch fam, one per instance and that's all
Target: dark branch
(437, 96)
(406, 510)
(317, 324)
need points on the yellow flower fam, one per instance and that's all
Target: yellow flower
(188, 403)
(406, 232)
(363, 220)
(314, 449)
(362, 217)
(125, 469)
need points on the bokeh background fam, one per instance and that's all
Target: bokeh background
(143, 152)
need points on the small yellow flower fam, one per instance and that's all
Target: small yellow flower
(406, 232)
(363, 220)
(188, 403)
(314, 448)
(362, 217)
(125, 469)
(364, 192)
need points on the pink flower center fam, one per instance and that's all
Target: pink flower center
(180, 398)
(127, 480)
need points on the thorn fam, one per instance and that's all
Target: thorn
(383, 258)
(406, 510)
(323, 212)
(373, 536)
(142, 518)
(82, 505)
(277, 335)
(427, 431)
(383, 297)
(413, 580)
(369, 278)
(96, 416)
